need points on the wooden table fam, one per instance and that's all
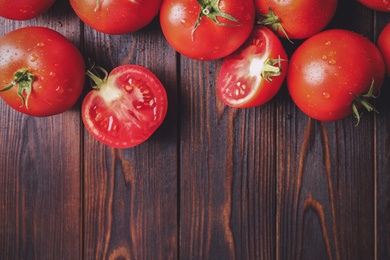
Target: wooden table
(212, 183)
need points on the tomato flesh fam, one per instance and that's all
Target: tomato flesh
(253, 74)
(127, 109)
(329, 69)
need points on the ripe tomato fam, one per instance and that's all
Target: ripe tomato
(207, 29)
(126, 107)
(42, 72)
(253, 74)
(296, 19)
(378, 5)
(24, 9)
(384, 46)
(332, 73)
(116, 16)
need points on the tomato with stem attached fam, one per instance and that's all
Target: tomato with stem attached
(24, 9)
(126, 107)
(335, 72)
(42, 72)
(253, 74)
(297, 19)
(206, 29)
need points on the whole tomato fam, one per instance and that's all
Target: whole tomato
(126, 107)
(296, 19)
(42, 72)
(384, 46)
(24, 9)
(378, 5)
(207, 29)
(333, 73)
(116, 16)
(253, 74)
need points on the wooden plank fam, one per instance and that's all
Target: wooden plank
(131, 194)
(227, 184)
(325, 206)
(382, 159)
(40, 208)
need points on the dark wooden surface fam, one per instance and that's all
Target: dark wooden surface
(212, 183)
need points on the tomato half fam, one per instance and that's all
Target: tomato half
(116, 16)
(253, 74)
(384, 46)
(378, 5)
(126, 107)
(334, 72)
(42, 72)
(207, 29)
(24, 9)
(297, 19)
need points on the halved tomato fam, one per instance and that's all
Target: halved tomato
(126, 107)
(253, 74)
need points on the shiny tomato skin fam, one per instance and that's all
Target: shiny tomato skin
(116, 16)
(210, 40)
(24, 9)
(327, 69)
(299, 18)
(127, 108)
(384, 46)
(56, 63)
(240, 81)
(378, 5)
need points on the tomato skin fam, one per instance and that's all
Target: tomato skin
(127, 108)
(209, 41)
(378, 5)
(299, 18)
(240, 83)
(116, 16)
(56, 63)
(384, 46)
(24, 9)
(329, 68)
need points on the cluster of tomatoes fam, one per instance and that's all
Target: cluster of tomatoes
(128, 104)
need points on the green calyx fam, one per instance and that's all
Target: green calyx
(272, 20)
(24, 79)
(93, 74)
(363, 100)
(211, 10)
(271, 68)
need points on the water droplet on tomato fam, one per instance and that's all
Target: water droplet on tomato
(328, 43)
(332, 62)
(40, 44)
(52, 73)
(324, 57)
(186, 23)
(326, 94)
(60, 90)
(34, 58)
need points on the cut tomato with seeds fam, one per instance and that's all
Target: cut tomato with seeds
(253, 74)
(126, 107)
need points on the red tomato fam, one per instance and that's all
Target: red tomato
(378, 5)
(42, 72)
(207, 29)
(116, 16)
(330, 74)
(253, 74)
(297, 19)
(126, 108)
(384, 46)
(24, 9)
